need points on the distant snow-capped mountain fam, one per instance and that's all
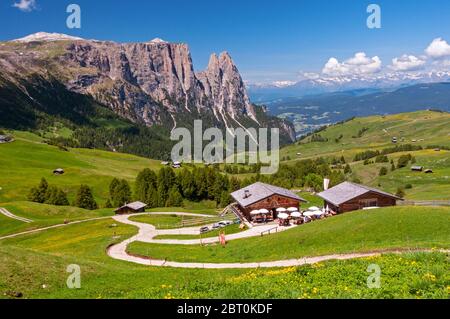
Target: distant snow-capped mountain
(260, 93)
(46, 37)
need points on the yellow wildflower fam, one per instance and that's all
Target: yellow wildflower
(429, 276)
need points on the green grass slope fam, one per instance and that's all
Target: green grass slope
(24, 162)
(362, 231)
(426, 127)
(35, 266)
(424, 186)
(43, 215)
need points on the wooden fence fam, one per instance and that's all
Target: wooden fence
(435, 203)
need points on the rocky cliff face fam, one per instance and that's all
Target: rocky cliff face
(150, 83)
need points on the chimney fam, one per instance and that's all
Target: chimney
(246, 193)
(326, 184)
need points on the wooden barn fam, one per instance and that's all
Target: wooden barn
(263, 196)
(132, 208)
(348, 196)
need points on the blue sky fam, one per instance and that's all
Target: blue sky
(269, 40)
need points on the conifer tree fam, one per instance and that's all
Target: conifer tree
(174, 198)
(85, 199)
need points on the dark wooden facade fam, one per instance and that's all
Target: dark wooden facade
(125, 210)
(370, 199)
(270, 203)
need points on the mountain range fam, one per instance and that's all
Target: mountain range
(312, 112)
(151, 84)
(320, 84)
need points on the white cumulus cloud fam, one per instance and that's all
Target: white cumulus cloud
(356, 65)
(25, 5)
(439, 48)
(407, 63)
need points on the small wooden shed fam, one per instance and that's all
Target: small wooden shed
(132, 208)
(58, 171)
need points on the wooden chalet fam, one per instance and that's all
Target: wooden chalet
(348, 196)
(263, 196)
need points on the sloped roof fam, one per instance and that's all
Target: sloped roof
(260, 191)
(346, 191)
(134, 206)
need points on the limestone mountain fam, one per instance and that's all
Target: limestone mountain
(152, 83)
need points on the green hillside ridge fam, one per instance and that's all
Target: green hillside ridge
(28, 159)
(25, 161)
(433, 186)
(43, 215)
(426, 127)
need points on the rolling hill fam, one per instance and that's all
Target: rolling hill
(28, 159)
(422, 129)
(374, 132)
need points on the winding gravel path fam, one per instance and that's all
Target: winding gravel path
(7, 213)
(147, 232)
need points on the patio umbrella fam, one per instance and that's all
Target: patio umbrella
(254, 212)
(296, 215)
(263, 211)
(292, 209)
(281, 210)
(309, 214)
(314, 208)
(283, 216)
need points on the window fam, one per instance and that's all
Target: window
(372, 202)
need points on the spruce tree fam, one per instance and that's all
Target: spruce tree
(174, 198)
(61, 198)
(187, 185)
(85, 199)
(347, 169)
(145, 181)
(34, 195)
(112, 188)
(152, 198)
(400, 192)
(225, 199)
(108, 204)
(383, 171)
(38, 194)
(50, 195)
(122, 193)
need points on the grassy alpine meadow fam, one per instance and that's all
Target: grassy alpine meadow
(35, 266)
(423, 186)
(374, 132)
(361, 231)
(228, 230)
(43, 215)
(170, 221)
(28, 159)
